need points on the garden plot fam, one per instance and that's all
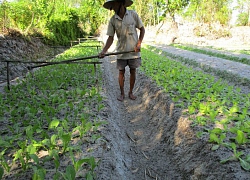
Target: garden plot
(49, 119)
(175, 129)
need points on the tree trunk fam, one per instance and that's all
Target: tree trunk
(31, 24)
(4, 17)
(158, 30)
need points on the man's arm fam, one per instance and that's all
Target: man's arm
(141, 36)
(109, 42)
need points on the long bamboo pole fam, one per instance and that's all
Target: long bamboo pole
(8, 76)
(77, 59)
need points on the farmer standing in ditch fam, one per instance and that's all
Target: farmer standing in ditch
(124, 24)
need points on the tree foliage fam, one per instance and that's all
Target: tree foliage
(175, 6)
(244, 13)
(151, 11)
(155, 11)
(61, 29)
(60, 21)
(209, 11)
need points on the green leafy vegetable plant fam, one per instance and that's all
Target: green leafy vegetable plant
(44, 110)
(209, 102)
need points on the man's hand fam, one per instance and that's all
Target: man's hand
(106, 47)
(138, 47)
(102, 54)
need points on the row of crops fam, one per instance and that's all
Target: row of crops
(222, 111)
(47, 117)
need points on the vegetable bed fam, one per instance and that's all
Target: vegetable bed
(220, 111)
(48, 118)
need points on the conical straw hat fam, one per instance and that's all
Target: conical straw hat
(109, 3)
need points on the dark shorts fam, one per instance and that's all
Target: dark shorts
(132, 63)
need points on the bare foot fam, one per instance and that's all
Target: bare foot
(120, 98)
(131, 96)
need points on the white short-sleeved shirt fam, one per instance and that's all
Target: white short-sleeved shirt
(125, 30)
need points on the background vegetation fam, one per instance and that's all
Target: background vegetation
(59, 21)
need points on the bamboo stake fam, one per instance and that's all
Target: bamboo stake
(77, 59)
(8, 76)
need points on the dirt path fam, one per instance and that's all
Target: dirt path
(133, 132)
(237, 68)
(149, 138)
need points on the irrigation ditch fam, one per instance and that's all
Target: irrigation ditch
(149, 138)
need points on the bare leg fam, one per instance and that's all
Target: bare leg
(121, 80)
(132, 83)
